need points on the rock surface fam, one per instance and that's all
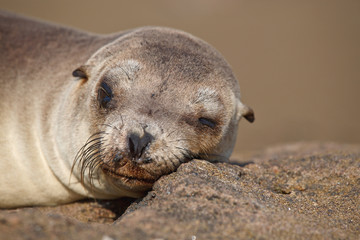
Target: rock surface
(296, 191)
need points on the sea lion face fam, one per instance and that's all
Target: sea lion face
(161, 98)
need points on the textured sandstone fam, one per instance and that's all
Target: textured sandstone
(297, 191)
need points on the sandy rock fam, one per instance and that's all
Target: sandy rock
(296, 191)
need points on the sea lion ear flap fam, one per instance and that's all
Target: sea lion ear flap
(81, 72)
(249, 115)
(246, 112)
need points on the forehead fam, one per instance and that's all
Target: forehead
(136, 73)
(165, 50)
(167, 59)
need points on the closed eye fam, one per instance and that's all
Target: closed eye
(207, 122)
(104, 94)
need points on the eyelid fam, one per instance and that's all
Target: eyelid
(106, 89)
(208, 122)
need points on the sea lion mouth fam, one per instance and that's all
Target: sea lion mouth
(133, 179)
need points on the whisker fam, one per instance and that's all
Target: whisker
(179, 159)
(171, 133)
(110, 126)
(90, 156)
(183, 139)
(187, 153)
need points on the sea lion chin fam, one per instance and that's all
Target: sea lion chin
(138, 105)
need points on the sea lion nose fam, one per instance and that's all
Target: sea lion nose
(137, 145)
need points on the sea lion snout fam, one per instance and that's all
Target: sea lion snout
(131, 142)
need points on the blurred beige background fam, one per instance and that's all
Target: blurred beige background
(298, 62)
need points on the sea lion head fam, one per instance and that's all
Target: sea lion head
(155, 98)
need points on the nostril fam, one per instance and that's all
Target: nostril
(137, 145)
(133, 144)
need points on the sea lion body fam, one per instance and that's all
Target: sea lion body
(138, 105)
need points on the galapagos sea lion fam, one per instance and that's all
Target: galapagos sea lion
(104, 116)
